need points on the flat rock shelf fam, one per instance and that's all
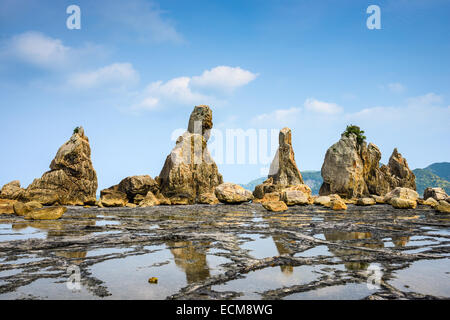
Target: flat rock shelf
(228, 252)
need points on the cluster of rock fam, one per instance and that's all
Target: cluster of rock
(352, 170)
(189, 174)
(351, 173)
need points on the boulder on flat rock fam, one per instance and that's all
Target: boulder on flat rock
(338, 204)
(365, 202)
(323, 201)
(71, 180)
(21, 208)
(112, 197)
(48, 213)
(7, 206)
(430, 202)
(402, 193)
(137, 185)
(189, 170)
(208, 198)
(402, 203)
(443, 206)
(276, 206)
(150, 200)
(437, 194)
(232, 193)
(294, 197)
(12, 191)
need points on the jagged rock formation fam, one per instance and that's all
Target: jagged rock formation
(283, 169)
(285, 181)
(352, 170)
(190, 171)
(12, 191)
(71, 180)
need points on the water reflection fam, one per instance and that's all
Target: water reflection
(365, 241)
(191, 259)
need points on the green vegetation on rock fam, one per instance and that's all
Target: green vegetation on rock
(360, 137)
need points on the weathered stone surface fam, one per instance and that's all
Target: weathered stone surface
(343, 168)
(430, 202)
(150, 200)
(399, 169)
(402, 203)
(112, 197)
(208, 198)
(283, 169)
(365, 202)
(22, 209)
(232, 193)
(403, 193)
(276, 206)
(294, 197)
(352, 169)
(7, 206)
(200, 121)
(71, 180)
(190, 170)
(435, 193)
(162, 200)
(443, 206)
(271, 196)
(49, 213)
(378, 199)
(12, 191)
(323, 201)
(137, 185)
(338, 204)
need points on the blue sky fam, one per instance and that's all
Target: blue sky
(134, 71)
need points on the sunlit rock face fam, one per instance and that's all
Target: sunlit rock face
(285, 180)
(189, 170)
(352, 170)
(71, 180)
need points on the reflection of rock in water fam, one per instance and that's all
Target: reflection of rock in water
(54, 228)
(191, 260)
(72, 255)
(400, 241)
(342, 253)
(283, 249)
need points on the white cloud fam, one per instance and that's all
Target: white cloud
(188, 91)
(143, 19)
(279, 116)
(396, 87)
(314, 105)
(38, 49)
(116, 74)
(224, 78)
(425, 100)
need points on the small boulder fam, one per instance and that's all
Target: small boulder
(366, 202)
(49, 213)
(12, 190)
(338, 204)
(7, 206)
(232, 193)
(112, 197)
(430, 202)
(22, 209)
(443, 206)
(323, 201)
(208, 198)
(437, 194)
(403, 193)
(294, 197)
(378, 199)
(276, 206)
(401, 203)
(271, 196)
(149, 201)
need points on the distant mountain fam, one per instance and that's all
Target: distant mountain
(312, 178)
(435, 175)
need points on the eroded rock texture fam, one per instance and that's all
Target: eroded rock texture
(352, 170)
(190, 171)
(71, 180)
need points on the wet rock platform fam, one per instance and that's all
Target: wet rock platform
(228, 252)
